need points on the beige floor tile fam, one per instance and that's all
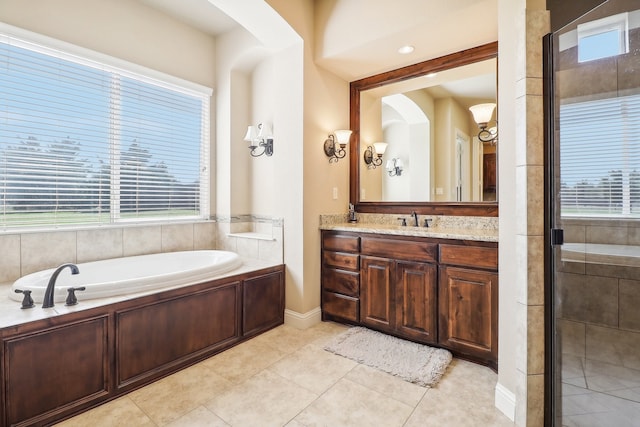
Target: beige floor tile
(199, 417)
(265, 399)
(351, 404)
(313, 368)
(244, 361)
(284, 377)
(119, 412)
(172, 397)
(289, 339)
(387, 384)
(464, 397)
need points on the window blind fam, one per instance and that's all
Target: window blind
(600, 157)
(84, 142)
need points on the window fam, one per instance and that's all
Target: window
(603, 38)
(600, 157)
(86, 142)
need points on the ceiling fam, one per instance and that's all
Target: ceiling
(359, 38)
(199, 14)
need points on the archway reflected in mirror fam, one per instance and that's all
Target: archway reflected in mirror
(446, 174)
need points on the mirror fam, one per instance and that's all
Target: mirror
(433, 162)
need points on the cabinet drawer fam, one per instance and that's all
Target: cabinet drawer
(342, 282)
(341, 260)
(341, 306)
(469, 256)
(399, 249)
(340, 243)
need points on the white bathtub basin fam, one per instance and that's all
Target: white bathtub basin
(119, 276)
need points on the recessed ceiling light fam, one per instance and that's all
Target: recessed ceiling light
(406, 49)
(431, 75)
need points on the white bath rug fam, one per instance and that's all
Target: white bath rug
(413, 362)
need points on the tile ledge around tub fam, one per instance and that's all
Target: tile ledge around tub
(252, 235)
(435, 232)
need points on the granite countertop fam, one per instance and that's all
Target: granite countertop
(483, 235)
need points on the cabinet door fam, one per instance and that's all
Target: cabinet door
(415, 292)
(468, 301)
(263, 303)
(53, 373)
(155, 338)
(376, 293)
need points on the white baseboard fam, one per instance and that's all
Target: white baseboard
(303, 320)
(506, 401)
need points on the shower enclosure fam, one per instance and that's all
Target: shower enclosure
(592, 89)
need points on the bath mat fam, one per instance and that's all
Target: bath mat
(413, 362)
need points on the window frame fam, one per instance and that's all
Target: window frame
(90, 58)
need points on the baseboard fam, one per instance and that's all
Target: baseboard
(303, 320)
(506, 401)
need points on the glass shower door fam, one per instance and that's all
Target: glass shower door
(595, 215)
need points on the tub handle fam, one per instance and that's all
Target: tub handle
(71, 296)
(27, 301)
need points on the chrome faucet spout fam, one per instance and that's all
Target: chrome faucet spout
(47, 301)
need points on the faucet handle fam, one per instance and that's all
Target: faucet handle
(426, 222)
(71, 296)
(27, 301)
(404, 221)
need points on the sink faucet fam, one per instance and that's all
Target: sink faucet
(47, 301)
(414, 214)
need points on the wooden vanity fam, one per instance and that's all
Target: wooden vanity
(442, 292)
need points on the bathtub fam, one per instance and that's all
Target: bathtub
(120, 276)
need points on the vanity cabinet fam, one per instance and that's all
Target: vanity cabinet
(341, 277)
(442, 292)
(398, 295)
(468, 301)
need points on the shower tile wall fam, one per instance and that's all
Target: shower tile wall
(599, 317)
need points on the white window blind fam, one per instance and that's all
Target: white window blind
(84, 142)
(600, 157)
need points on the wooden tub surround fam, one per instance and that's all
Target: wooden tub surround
(437, 291)
(57, 367)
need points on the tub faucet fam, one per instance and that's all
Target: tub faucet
(47, 301)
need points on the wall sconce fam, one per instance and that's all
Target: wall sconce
(482, 114)
(260, 139)
(394, 167)
(342, 138)
(379, 148)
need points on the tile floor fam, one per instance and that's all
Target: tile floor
(284, 377)
(598, 394)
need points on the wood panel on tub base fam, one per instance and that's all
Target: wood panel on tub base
(58, 367)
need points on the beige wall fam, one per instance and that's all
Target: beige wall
(325, 108)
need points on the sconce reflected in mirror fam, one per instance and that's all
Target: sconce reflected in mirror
(259, 139)
(373, 154)
(341, 137)
(394, 167)
(482, 114)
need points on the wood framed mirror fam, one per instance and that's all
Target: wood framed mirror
(420, 187)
